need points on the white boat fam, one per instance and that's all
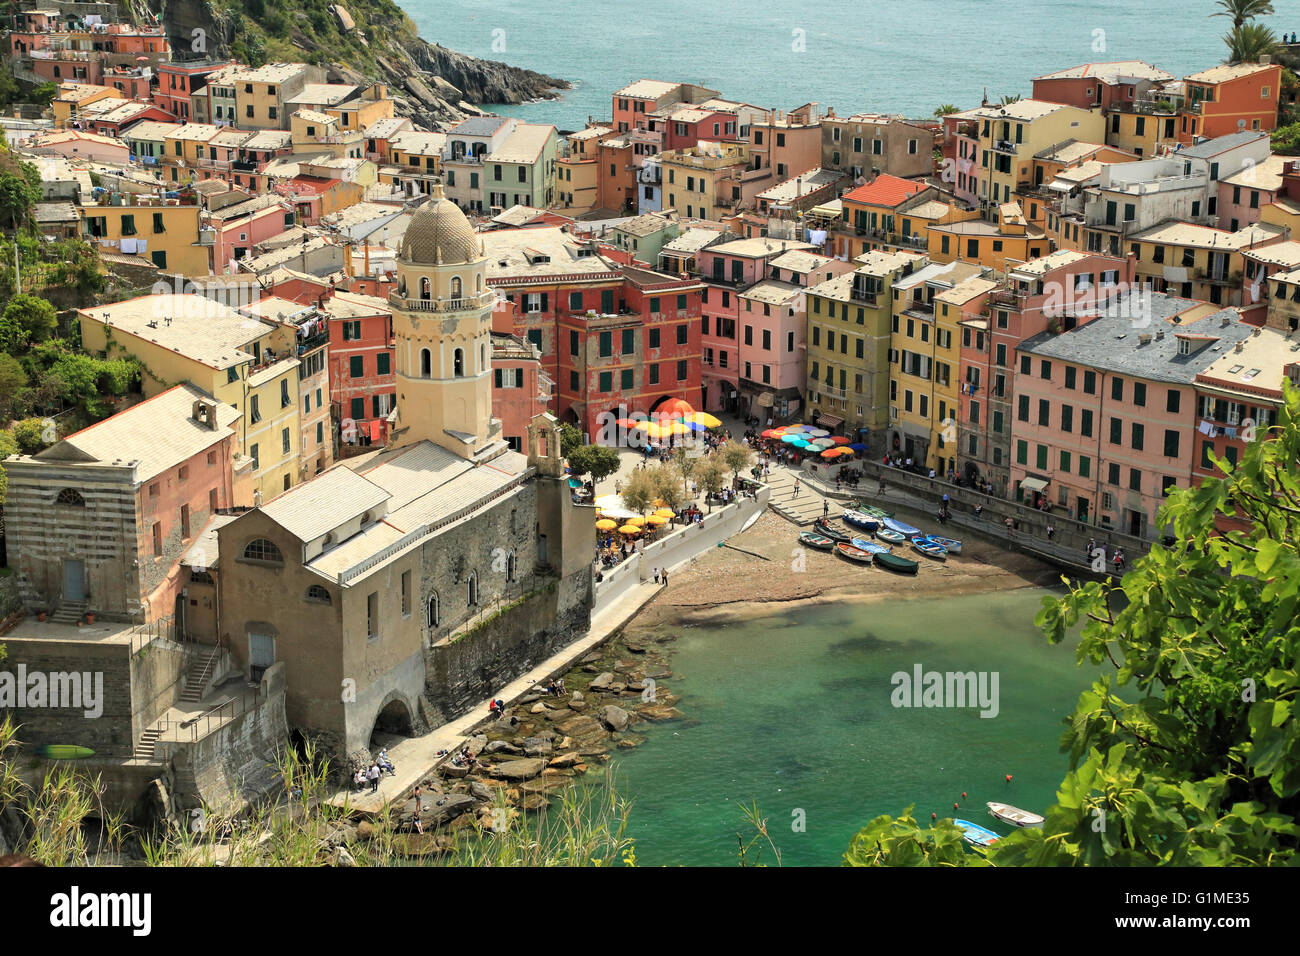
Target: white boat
(1014, 815)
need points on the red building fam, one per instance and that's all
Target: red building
(363, 385)
(520, 389)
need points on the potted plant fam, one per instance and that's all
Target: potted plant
(40, 616)
(90, 617)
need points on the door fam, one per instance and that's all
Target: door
(1083, 509)
(74, 580)
(1135, 523)
(261, 654)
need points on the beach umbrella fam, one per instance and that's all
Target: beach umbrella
(696, 427)
(674, 408)
(818, 432)
(629, 529)
(790, 439)
(774, 433)
(629, 423)
(800, 443)
(605, 524)
(841, 440)
(831, 453)
(656, 520)
(858, 446)
(705, 419)
(822, 442)
(666, 513)
(638, 520)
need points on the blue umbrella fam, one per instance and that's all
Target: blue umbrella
(858, 446)
(799, 443)
(790, 439)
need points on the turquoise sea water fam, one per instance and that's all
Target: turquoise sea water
(793, 711)
(904, 56)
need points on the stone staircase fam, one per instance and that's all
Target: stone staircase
(144, 747)
(69, 613)
(196, 679)
(801, 509)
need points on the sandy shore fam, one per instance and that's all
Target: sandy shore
(731, 583)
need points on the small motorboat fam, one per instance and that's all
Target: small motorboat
(859, 520)
(976, 834)
(923, 545)
(1014, 815)
(845, 550)
(894, 524)
(951, 545)
(893, 537)
(862, 544)
(823, 527)
(816, 541)
(873, 511)
(896, 563)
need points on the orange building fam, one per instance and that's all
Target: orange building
(1229, 99)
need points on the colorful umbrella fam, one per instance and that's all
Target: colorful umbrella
(657, 520)
(638, 521)
(858, 446)
(774, 433)
(629, 529)
(790, 439)
(822, 442)
(818, 432)
(666, 513)
(831, 453)
(629, 423)
(705, 419)
(674, 408)
(604, 524)
(840, 439)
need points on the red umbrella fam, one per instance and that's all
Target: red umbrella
(674, 408)
(840, 439)
(628, 423)
(830, 453)
(774, 433)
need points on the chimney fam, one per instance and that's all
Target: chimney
(1160, 334)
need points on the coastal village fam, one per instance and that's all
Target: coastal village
(332, 501)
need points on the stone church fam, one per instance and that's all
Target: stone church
(401, 587)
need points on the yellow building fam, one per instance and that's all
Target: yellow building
(185, 149)
(1197, 262)
(248, 362)
(577, 173)
(73, 97)
(989, 243)
(262, 94)
(708, 182)
(316, 132)
(1010, 136)
(848, 339)
(161, 230)
(925, 359)
(1143, 133)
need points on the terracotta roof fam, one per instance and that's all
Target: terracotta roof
(885, 190)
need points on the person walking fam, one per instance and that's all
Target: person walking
(796, 489)
(664, 574)
(656, 575)
(1050, 531)
(419, 806)
(826, 507)
(373, 775)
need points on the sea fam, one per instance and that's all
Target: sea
(887, 56)
(795, 713)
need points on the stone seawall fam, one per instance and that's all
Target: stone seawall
(110, 733)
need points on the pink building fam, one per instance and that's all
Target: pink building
(1245, 193)
(1105, 420)
(242, 226)
(520, 389)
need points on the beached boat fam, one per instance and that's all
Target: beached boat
(923, 545)
(871, 510)
(859, 520)
(823, 527)
(818, 541)
(63, 752)
(845, 550)
(870, 547)
(1014, 815)
(894, 562)
(976, 834)
(951, 545)
(893, 537)
(893, 524)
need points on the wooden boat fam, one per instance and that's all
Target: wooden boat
(901, 527)
(923, 545)
(1014, 815)
(875, 512)
(894, 562)
(862, 544)
(976, 834)
(951, 545)
(823, 527)
(859, 520)
(818, 541)
(845, 550)
(63, 752)
(893, 537)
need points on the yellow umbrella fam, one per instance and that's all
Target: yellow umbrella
(704, 418)
(657, 519)
(629, 529)
(638, 521)
(666, 513)
(605, 524)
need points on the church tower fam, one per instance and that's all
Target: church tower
(442, 327)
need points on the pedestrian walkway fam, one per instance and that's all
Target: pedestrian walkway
(803, 508)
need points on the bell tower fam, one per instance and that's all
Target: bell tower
(442, 329)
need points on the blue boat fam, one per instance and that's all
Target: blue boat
(951, 545)
(893, 524)
(976, 834)
(859, 520)
(893, 537)
(930, 549)
(869, 546)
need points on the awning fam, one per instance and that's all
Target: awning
(830, 421)
(1033, 484)
(765, 400)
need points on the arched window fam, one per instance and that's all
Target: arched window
(401, 286)
(473, 588)
(478, 282)
(426, 363)
(71, 496)
(455, 287)
(319, 595)
(510, 566)
(426, 288)
(482, 358)
(433, 611)
(458, 363)
(260, 549)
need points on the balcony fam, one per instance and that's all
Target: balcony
(1003, 146)
(483, 300)
(313, 342)
(243, 166)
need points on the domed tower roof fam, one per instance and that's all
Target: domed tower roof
(439, 234)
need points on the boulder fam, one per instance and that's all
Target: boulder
(658, 712)
(501, 746)
(539, 708)
(530, 698)
(519, 769)
(480, 790)
(537, 746)
(476, 744)
(565, 760)
(449, 807)
(576, 695)
(535, 801)
(614, 718)
(658, 671)
(342, 857)
(581, 726)
(601, 681)
(577, 705)
(365, 830)
(451, 771)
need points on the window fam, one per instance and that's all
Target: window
(1022, 452)
(1065, 461)
(1022, 411)
(284, 393)
(471, 590)
(1113, 474)
(284, 441)
(628, 341)
(1090, 382)
(318, 595)
(1139, 435)
(1134, 479)
(1172, 400)
(681, 370)
(260, 549)
(606, 344)
(406, 594)
(372, 616)
(1116, 431)
(654, 373)
(1171, 443)
(254, 412)
(1117, 389)
(1044, 411)
(606, 382)
(1067, 418)
(1140, 394)
(72, 497)
(157, 538)
(356, 368)
(1040, 456)
(625, 379)
(432, 611)
(682, 333)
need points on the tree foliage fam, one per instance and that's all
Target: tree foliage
(639, 492)
(594, 460)
(1189, 752)
(1242, 10)
(737, 455)
(1249, 43)
(570, 438)
(26, 320)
